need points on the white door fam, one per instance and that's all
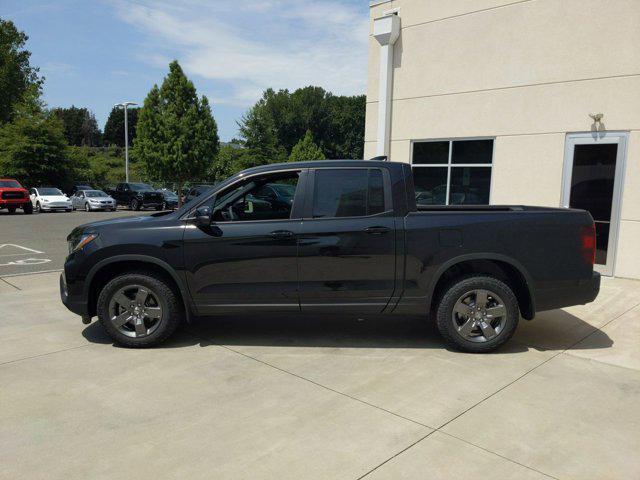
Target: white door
(593, 174)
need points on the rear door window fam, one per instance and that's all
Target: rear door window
(345, 192)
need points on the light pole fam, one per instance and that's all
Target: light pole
(126, 138)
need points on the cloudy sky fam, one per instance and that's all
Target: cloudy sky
(96, 53)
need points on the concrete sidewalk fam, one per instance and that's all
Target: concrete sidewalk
(318, 397)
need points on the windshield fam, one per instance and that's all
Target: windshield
(95, 193)
(49, 191)
(287, 191)
(9, 184)
(141, 187)
(170, 195)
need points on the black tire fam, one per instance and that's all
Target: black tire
(167, 299)
(27, 208)
(507, 322)
(38, 207)
(134, 204)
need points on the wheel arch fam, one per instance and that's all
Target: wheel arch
(109, 268)
(504, 268)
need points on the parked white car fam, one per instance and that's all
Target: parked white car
(48, 199)
(92, 200)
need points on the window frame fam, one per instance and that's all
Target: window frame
(311, 185)
(449, 165)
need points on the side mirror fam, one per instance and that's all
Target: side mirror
(202, 217)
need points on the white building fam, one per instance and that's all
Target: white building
(514, 102)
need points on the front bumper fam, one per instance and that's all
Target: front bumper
(77, 304)
(13, 202)
(51, 208)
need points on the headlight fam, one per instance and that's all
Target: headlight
(45, 200)
(80, 242)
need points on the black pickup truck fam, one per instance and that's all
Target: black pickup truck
(351, 241)
(137, 196)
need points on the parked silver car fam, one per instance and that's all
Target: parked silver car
(90, 200)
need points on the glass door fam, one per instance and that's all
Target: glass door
(593, 169)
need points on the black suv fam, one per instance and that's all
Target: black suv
(137, 196)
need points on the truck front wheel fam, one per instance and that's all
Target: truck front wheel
(27, 208)
(139, 310)
(477, 314)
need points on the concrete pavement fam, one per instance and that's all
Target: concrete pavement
(318, 397)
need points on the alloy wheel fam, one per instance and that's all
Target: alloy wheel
(479, 315)
(135, 310)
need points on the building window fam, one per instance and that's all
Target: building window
(452, 172)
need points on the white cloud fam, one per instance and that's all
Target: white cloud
(250, 45)
(57, 69)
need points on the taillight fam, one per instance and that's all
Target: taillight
(588, 243)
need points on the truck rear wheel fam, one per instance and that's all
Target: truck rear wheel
(139, 310)
(477, 314)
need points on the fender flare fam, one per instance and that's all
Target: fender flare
(483, 256)
(184, 292)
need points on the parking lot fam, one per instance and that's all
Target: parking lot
(312, 398)
(37, 243)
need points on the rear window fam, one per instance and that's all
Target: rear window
(348, 193)
(9, 184)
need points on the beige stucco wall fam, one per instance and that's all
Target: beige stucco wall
(526, 73)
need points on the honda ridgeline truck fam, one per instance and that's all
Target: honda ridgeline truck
(351, 241)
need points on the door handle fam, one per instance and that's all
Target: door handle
(377, 230)
(282, 234)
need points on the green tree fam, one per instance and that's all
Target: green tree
(80, 126)
(336, 122)
(227, 162)
(33, 149)
(114, 128)
(177, 137)
(259, 135)
(345, 136)
(19, 82)
(306, 150)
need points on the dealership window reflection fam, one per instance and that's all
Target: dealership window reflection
(452, 172)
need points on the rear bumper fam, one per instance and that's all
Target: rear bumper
(579, 293)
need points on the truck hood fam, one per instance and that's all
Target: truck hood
(12, 189)
(115, 221)
(54, 198)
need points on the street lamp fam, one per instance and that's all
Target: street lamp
(126, 137)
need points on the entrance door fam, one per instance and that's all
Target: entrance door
(593, 170)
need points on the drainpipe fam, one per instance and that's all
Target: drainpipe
(386, 31)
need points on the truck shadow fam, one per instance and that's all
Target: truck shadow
(555, 331)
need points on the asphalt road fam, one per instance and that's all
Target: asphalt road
(37, 243)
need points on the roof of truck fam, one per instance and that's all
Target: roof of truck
(317, 163)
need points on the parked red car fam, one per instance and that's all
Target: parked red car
(14, 196)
